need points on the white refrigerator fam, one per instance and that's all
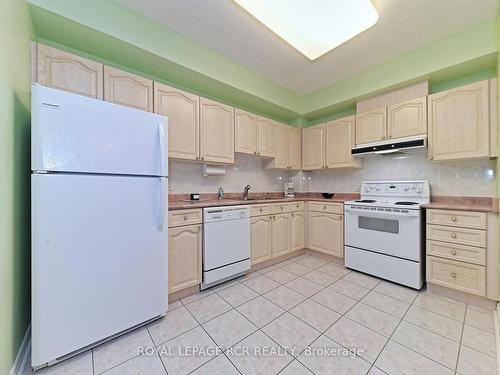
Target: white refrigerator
(99, 221)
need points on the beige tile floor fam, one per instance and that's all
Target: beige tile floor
(301, 303)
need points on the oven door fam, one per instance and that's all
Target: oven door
(384, 231)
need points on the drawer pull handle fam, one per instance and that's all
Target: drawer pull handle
(454, 252)
(453, 274)
(324, 207)
(453, 218)
(453, 235)
(185, 217)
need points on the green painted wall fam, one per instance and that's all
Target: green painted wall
(119, 36)
(15, 34)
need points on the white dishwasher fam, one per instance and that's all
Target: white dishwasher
(226, 243)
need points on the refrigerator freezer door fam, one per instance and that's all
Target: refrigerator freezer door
(99, 259)
(74, 133)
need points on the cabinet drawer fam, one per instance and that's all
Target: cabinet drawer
(466, 277)
(184, 217)
(464, 219)
(462, 253)
(463, 236)
(332, 208)
(261, 209)
(297, 206)
(279, 208)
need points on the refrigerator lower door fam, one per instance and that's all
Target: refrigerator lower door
(99, 259)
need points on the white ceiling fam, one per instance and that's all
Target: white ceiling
(403, 26)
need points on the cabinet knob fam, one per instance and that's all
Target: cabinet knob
(293, 214)
(202, 158)
(260, 209)
(383, 137)
(453, 274)
(453, 218)
(454, 252)
(258, 153)
(281, 208)
(431, 158)
(324, 207)
(255, 152)
(453, 235)
(185, 217)
(197, 158)
(389, 136)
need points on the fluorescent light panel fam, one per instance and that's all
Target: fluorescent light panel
(313, 27)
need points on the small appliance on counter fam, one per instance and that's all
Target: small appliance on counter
(289, 189)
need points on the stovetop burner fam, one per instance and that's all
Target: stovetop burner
(366, 201)
(406, 203)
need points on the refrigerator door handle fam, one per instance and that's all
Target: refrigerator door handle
(163, 202)
(163, 153)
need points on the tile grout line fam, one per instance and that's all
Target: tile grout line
(159, 357)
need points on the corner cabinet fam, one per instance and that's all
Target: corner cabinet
(65, 71)
(216, 132)
(182, 110)
(128, 89)
(313, 147)
(458, 122)
(184, 257)
(339, 143)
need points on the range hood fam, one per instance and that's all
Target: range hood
(396, 146)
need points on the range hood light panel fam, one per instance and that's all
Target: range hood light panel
(383, 152)
(313, 28)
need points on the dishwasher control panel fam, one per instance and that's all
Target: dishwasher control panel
(212, 214)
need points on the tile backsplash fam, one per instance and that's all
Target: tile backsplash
(469, 178)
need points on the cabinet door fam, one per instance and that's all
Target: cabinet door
(181, 108)
(281, 235)
(294, 149)
(266, 137)
(184, 257)
(68, 72)
(297, 230)
(458, 122)
(217, 132)
(407, 119)
(261, 239)
(371, 126)
(313, 147)
(339, 142)
(282, 147)
(245, 132)
(128, 89)
(326, 233)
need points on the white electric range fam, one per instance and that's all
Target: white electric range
(384, 231)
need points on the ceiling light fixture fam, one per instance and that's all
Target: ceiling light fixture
(313, 28)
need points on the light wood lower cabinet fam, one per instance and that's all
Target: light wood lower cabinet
(128, 89)
(184, 257)
(261, 237)
(281, 234)
(65, 71)
(326, 233)
(297, 231)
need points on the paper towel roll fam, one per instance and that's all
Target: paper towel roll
(214, 170)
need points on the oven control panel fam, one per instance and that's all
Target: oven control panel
(396, 188)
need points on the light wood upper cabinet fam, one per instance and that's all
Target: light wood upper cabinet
(297, 230)
(313, 147)
(281, 160)
(339, 142)
(326, 233)
(281, 234)
(184, 257)
(458, 123)
(182, 109)
(371, 126)
(245, 132)
(216, 132)
(65, 71)
(295, 148)
(128, 89)
(407, 119)
(266, 137)
(261, 239)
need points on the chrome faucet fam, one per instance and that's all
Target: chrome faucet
(245, 192)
